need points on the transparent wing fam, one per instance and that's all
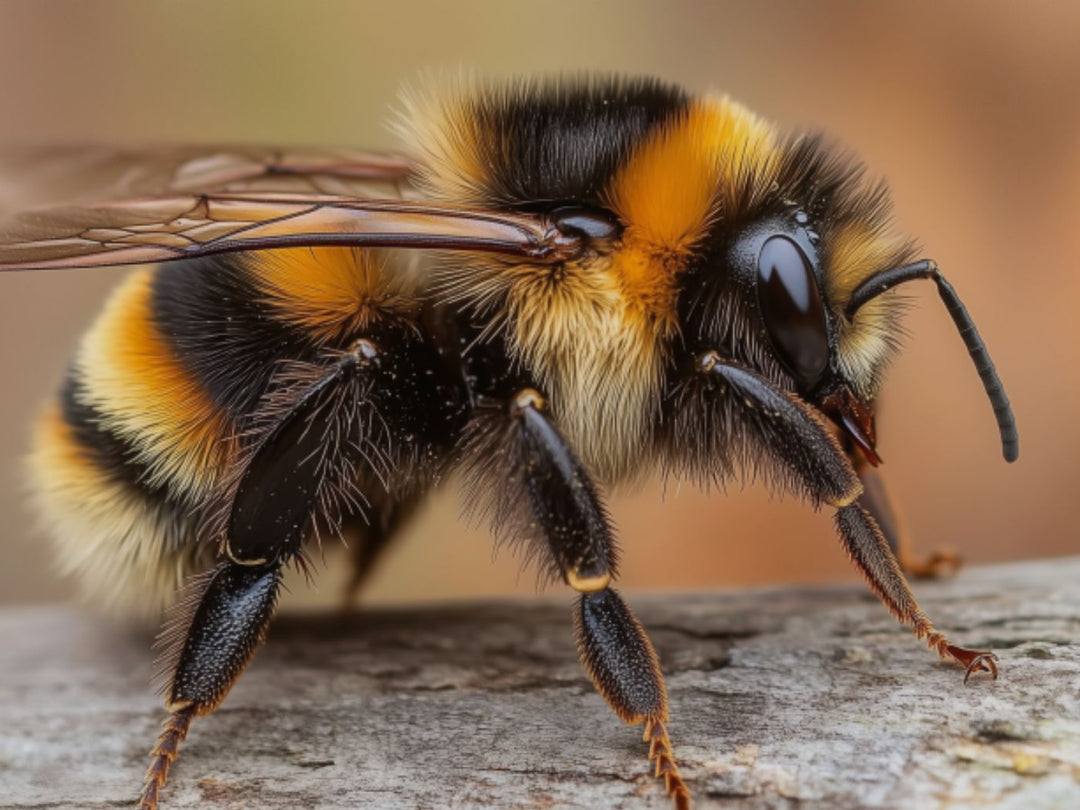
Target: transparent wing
(66, 175)
(167, 228)
(77, 207)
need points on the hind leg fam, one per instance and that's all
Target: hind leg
(230, 609)
(338, 423)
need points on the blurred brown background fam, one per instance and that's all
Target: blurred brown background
(970, 109)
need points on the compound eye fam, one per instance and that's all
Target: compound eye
(579, 220)
(792, 309)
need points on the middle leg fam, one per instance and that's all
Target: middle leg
(543, 496)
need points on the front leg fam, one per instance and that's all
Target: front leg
(798, 437)
(870, 552)
(542, 495)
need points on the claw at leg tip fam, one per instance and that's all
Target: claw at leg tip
(982, 663)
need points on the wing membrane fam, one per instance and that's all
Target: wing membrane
(166, 228)
(66, 175)
(90, 207)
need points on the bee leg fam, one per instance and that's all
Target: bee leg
(563, 501)
(625, 670)
(875, 499)
(217, 628)
(870, 552)
(798, 436)
(283, 483)
(613, 646)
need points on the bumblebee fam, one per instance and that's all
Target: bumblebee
(554, 286)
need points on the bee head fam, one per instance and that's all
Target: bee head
(813, 291)
(777, 267)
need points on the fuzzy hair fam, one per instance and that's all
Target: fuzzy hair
(495, 475)
(599, 334)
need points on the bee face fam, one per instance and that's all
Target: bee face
(790, 285)
(779, 265)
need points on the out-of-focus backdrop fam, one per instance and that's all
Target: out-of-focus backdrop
(970, 109)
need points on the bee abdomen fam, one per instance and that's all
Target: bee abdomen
(126, 541)
(152, 417)
(124, 456)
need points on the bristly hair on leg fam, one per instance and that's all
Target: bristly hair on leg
(174, 731)
(496, 490)
(728, 420)
(170, 639)
(714, 440)
(523, 476)
(355, 447)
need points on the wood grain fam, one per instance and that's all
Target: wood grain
(808, 698)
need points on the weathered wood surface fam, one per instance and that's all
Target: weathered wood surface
(808, 698)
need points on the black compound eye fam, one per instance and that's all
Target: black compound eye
(791, 307)
(593, 223)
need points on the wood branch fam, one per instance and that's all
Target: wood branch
(807, 697)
